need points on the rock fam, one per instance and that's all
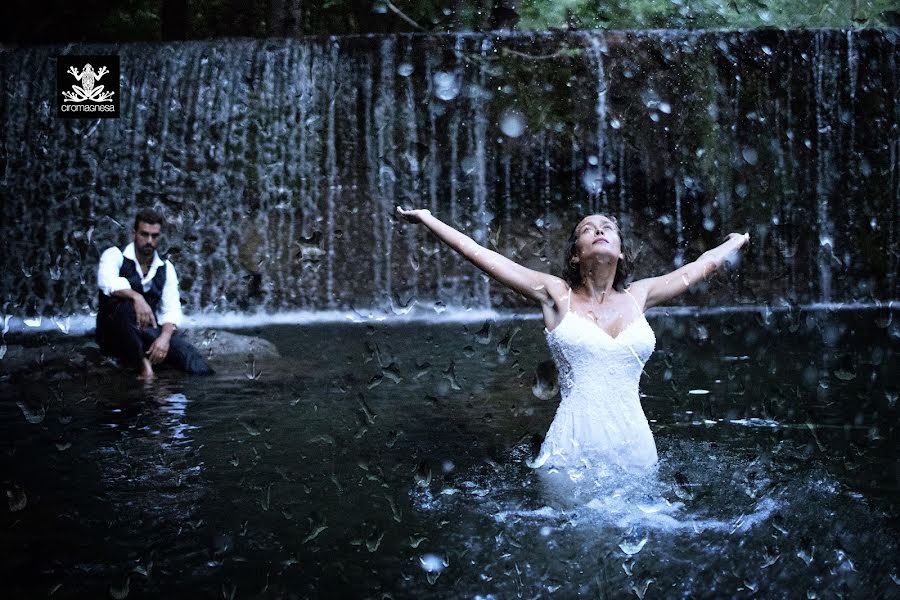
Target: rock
(20, 357)
(77, 353)
(213, 344)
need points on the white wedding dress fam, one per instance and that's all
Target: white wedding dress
(599, 421)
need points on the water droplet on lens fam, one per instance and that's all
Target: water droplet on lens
(423, 474)
(512, 123)
(16, 499)
(446, 86)
(503, 346)
(545, 385)
(433, 563)
(641, 589)
(372, 542)
(392, 372)
(450, 375)
(32, 414)
(592, 181)
(120, 592)
(632, 547)
(750, 155)
(845, 375)
(805, 556)
(484, 334)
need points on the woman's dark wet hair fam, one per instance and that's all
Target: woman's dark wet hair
(572, 270)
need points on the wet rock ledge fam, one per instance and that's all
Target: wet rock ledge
(61, 353)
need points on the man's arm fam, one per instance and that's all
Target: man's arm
(170, 303)
(108, 279)
(111, 284)
(170, 316)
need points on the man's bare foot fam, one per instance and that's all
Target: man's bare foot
(146, 371)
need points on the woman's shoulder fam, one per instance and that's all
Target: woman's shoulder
(638, 290)
(557, 291)
(557, 287)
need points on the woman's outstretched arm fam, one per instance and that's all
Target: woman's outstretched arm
(531, 284)
(658, 290)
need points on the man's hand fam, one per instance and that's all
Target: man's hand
(144, 314)
(158, 349)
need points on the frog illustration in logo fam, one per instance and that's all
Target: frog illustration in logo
(86, 91)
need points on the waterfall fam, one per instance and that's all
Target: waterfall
(278, 164)
(598, 47)
(825, 101)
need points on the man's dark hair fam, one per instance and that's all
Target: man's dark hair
(148, 216)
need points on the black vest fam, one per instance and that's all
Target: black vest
(129, 271)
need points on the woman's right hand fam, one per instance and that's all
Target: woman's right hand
(412, 216)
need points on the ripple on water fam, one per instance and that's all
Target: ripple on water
(705, 508)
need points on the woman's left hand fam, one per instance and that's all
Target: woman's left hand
(412, 216)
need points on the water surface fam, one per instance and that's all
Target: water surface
(390, 459)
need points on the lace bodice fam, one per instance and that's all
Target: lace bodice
(600, 415)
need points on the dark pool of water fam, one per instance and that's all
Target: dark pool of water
(390, 461)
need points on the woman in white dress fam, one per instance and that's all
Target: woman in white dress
(597, 334)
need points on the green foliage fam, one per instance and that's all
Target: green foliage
(704, 14)
(139, 20)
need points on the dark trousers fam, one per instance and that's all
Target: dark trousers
(118, 335)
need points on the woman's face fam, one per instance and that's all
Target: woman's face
(598, 235)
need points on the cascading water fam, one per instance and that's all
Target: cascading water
(279, 162)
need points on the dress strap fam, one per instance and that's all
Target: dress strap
(640, 310)
(569, 301)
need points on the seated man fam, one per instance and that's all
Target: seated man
(140, 307)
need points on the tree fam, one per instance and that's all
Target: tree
(174, 20)
(284, 18)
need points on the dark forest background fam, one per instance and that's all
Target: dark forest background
(26, 22)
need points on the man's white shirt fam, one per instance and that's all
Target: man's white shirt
(109, 281)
